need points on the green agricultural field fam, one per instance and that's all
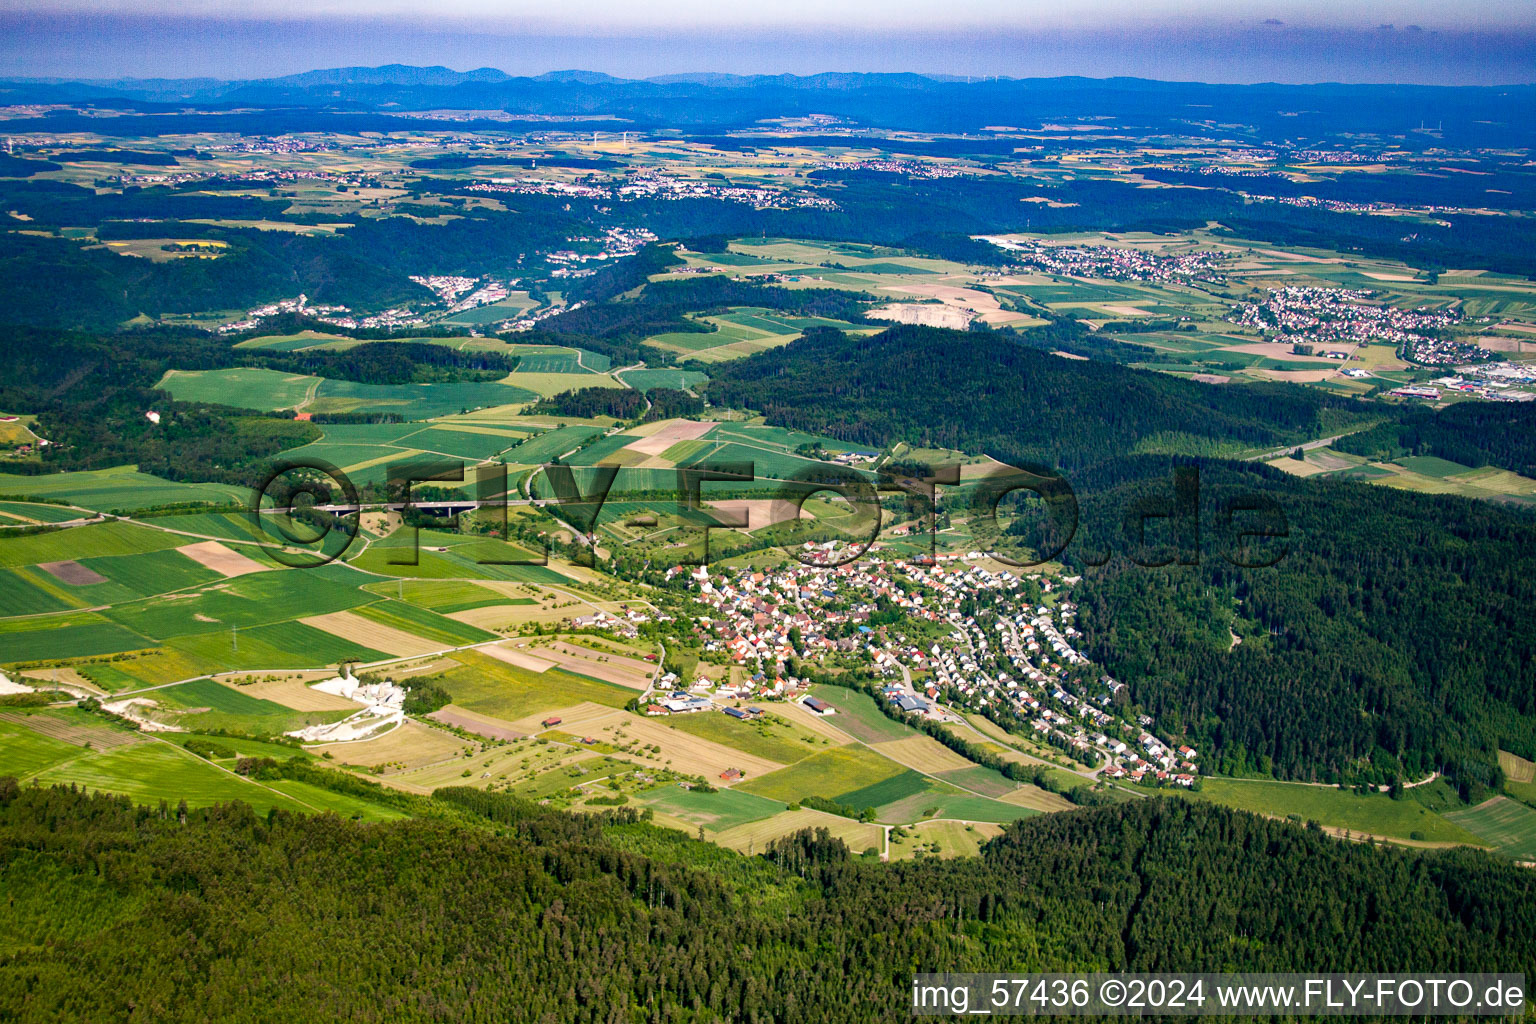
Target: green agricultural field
(30, 591)
(716, 812)
(316, 800)
(547, 446)
(446, 556)
(504, 691)
(938, 801)
(979, 779)
(547, 359)
(1507, 825)
(149, 573)
(840, 770)
(858, 716)
(292, 342)
(236, 526)
(1430, 466)
(93, 541)
(38, 512)
(607, 451)
(278, 645)
(212, 706)
(677, 380)
(253, 600)
(24, 753)
(416, 401)
(216, 697)
(886, 791)
(777, 740)
(61, 637)
(154, 771)
(444, 596)
(243, 387)
(1377, 815)
(423, 623)
(120, 488)
(766, 463)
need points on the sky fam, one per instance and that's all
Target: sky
(1424, 41)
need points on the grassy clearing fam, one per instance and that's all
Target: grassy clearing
(1516, 768)
(754, 836)
(1377, 815)
(717, 811)
(1507, 825)
(939, 801)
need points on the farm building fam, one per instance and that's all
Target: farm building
(551, 721)
(820, 706)
(731, 775)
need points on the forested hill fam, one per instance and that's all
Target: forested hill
(1390, 638)
(983, 391)
(495, 909)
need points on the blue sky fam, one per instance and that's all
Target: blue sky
(1471, 41)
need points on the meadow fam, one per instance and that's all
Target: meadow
(1507, 825)
(716, 812)
(1377, 814)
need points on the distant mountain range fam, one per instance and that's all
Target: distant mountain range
(1470, 115)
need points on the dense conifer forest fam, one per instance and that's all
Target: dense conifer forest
(492, 908)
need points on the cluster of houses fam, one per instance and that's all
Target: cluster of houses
(1152, 761)
(1114, 263)
(1321, 317)
(1018, 654)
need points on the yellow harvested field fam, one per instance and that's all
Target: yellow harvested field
(374, 635)
(656, 442)
(923, 753)
(411, 745)
(1281, 350)
(1517, 768)
(507, 616)
(296, 694)
(473, 721)
(210, 554)
(755, 835)
(823, 727)
(611, 668)
(1038, 799)
(515, 656)
(759, 512)
(99, 737)
(581, 719)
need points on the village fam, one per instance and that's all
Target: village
(992, 642)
